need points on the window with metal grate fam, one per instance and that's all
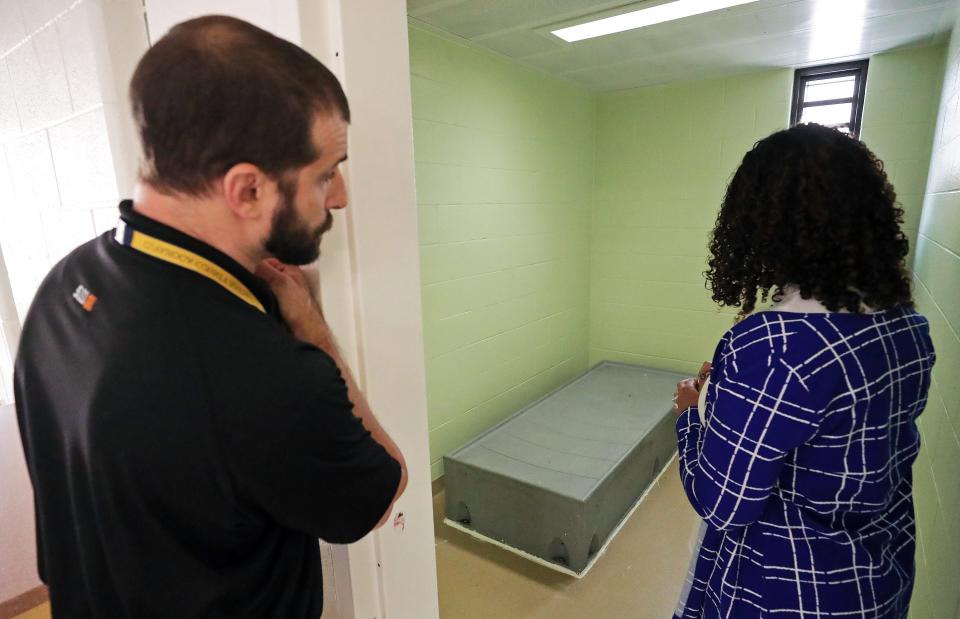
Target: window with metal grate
(830, 95)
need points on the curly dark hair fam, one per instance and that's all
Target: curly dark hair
(810, 207)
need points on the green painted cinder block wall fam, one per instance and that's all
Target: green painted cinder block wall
(561, 227)
(899, 119)
(937, 290)
(504, 171)
(664, 157)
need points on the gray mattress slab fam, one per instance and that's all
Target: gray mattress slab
(555, 479)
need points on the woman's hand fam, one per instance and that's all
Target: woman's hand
(687, 395)
(688, 391)
(704, 374)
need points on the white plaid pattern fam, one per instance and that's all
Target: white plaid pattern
(803, 469)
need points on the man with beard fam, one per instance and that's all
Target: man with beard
(189, 424)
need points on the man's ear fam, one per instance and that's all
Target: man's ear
(244, 190)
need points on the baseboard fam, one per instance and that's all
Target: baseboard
(23, 602)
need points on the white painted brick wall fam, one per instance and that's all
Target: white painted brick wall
(39, 80)
(9, 334)
(64, 66)
(83, 161)
(9, 119)
(31, 168)
(76, 30)
(12, 30)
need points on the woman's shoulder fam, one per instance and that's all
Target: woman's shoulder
(795, 335)
(798, 322)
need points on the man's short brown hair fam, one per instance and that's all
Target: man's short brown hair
(217, 91)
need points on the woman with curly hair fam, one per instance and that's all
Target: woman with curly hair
(800, 460)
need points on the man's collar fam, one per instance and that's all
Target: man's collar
(152, 228)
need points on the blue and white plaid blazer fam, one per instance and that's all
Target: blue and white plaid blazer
(802, 471)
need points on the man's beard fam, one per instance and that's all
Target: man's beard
(290, 240)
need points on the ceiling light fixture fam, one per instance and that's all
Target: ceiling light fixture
(837, 29)
(678, 9)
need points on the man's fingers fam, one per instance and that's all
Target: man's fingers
(270, 274)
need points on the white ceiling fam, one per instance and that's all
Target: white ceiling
(764, 34)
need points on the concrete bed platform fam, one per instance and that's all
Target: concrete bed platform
(555, 481)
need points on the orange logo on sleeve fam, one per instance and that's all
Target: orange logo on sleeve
(85, 298)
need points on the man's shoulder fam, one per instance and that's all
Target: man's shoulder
(262, 346)
(256, 359)
(86, 255)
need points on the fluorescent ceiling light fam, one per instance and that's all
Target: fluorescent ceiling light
(837, 29)
(644, 17)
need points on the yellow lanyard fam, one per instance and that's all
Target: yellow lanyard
(168, 252)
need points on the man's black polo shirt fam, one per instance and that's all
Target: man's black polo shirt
(186, 451)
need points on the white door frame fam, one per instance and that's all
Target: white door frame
(371, 285)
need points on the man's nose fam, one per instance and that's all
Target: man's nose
(337, 198)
